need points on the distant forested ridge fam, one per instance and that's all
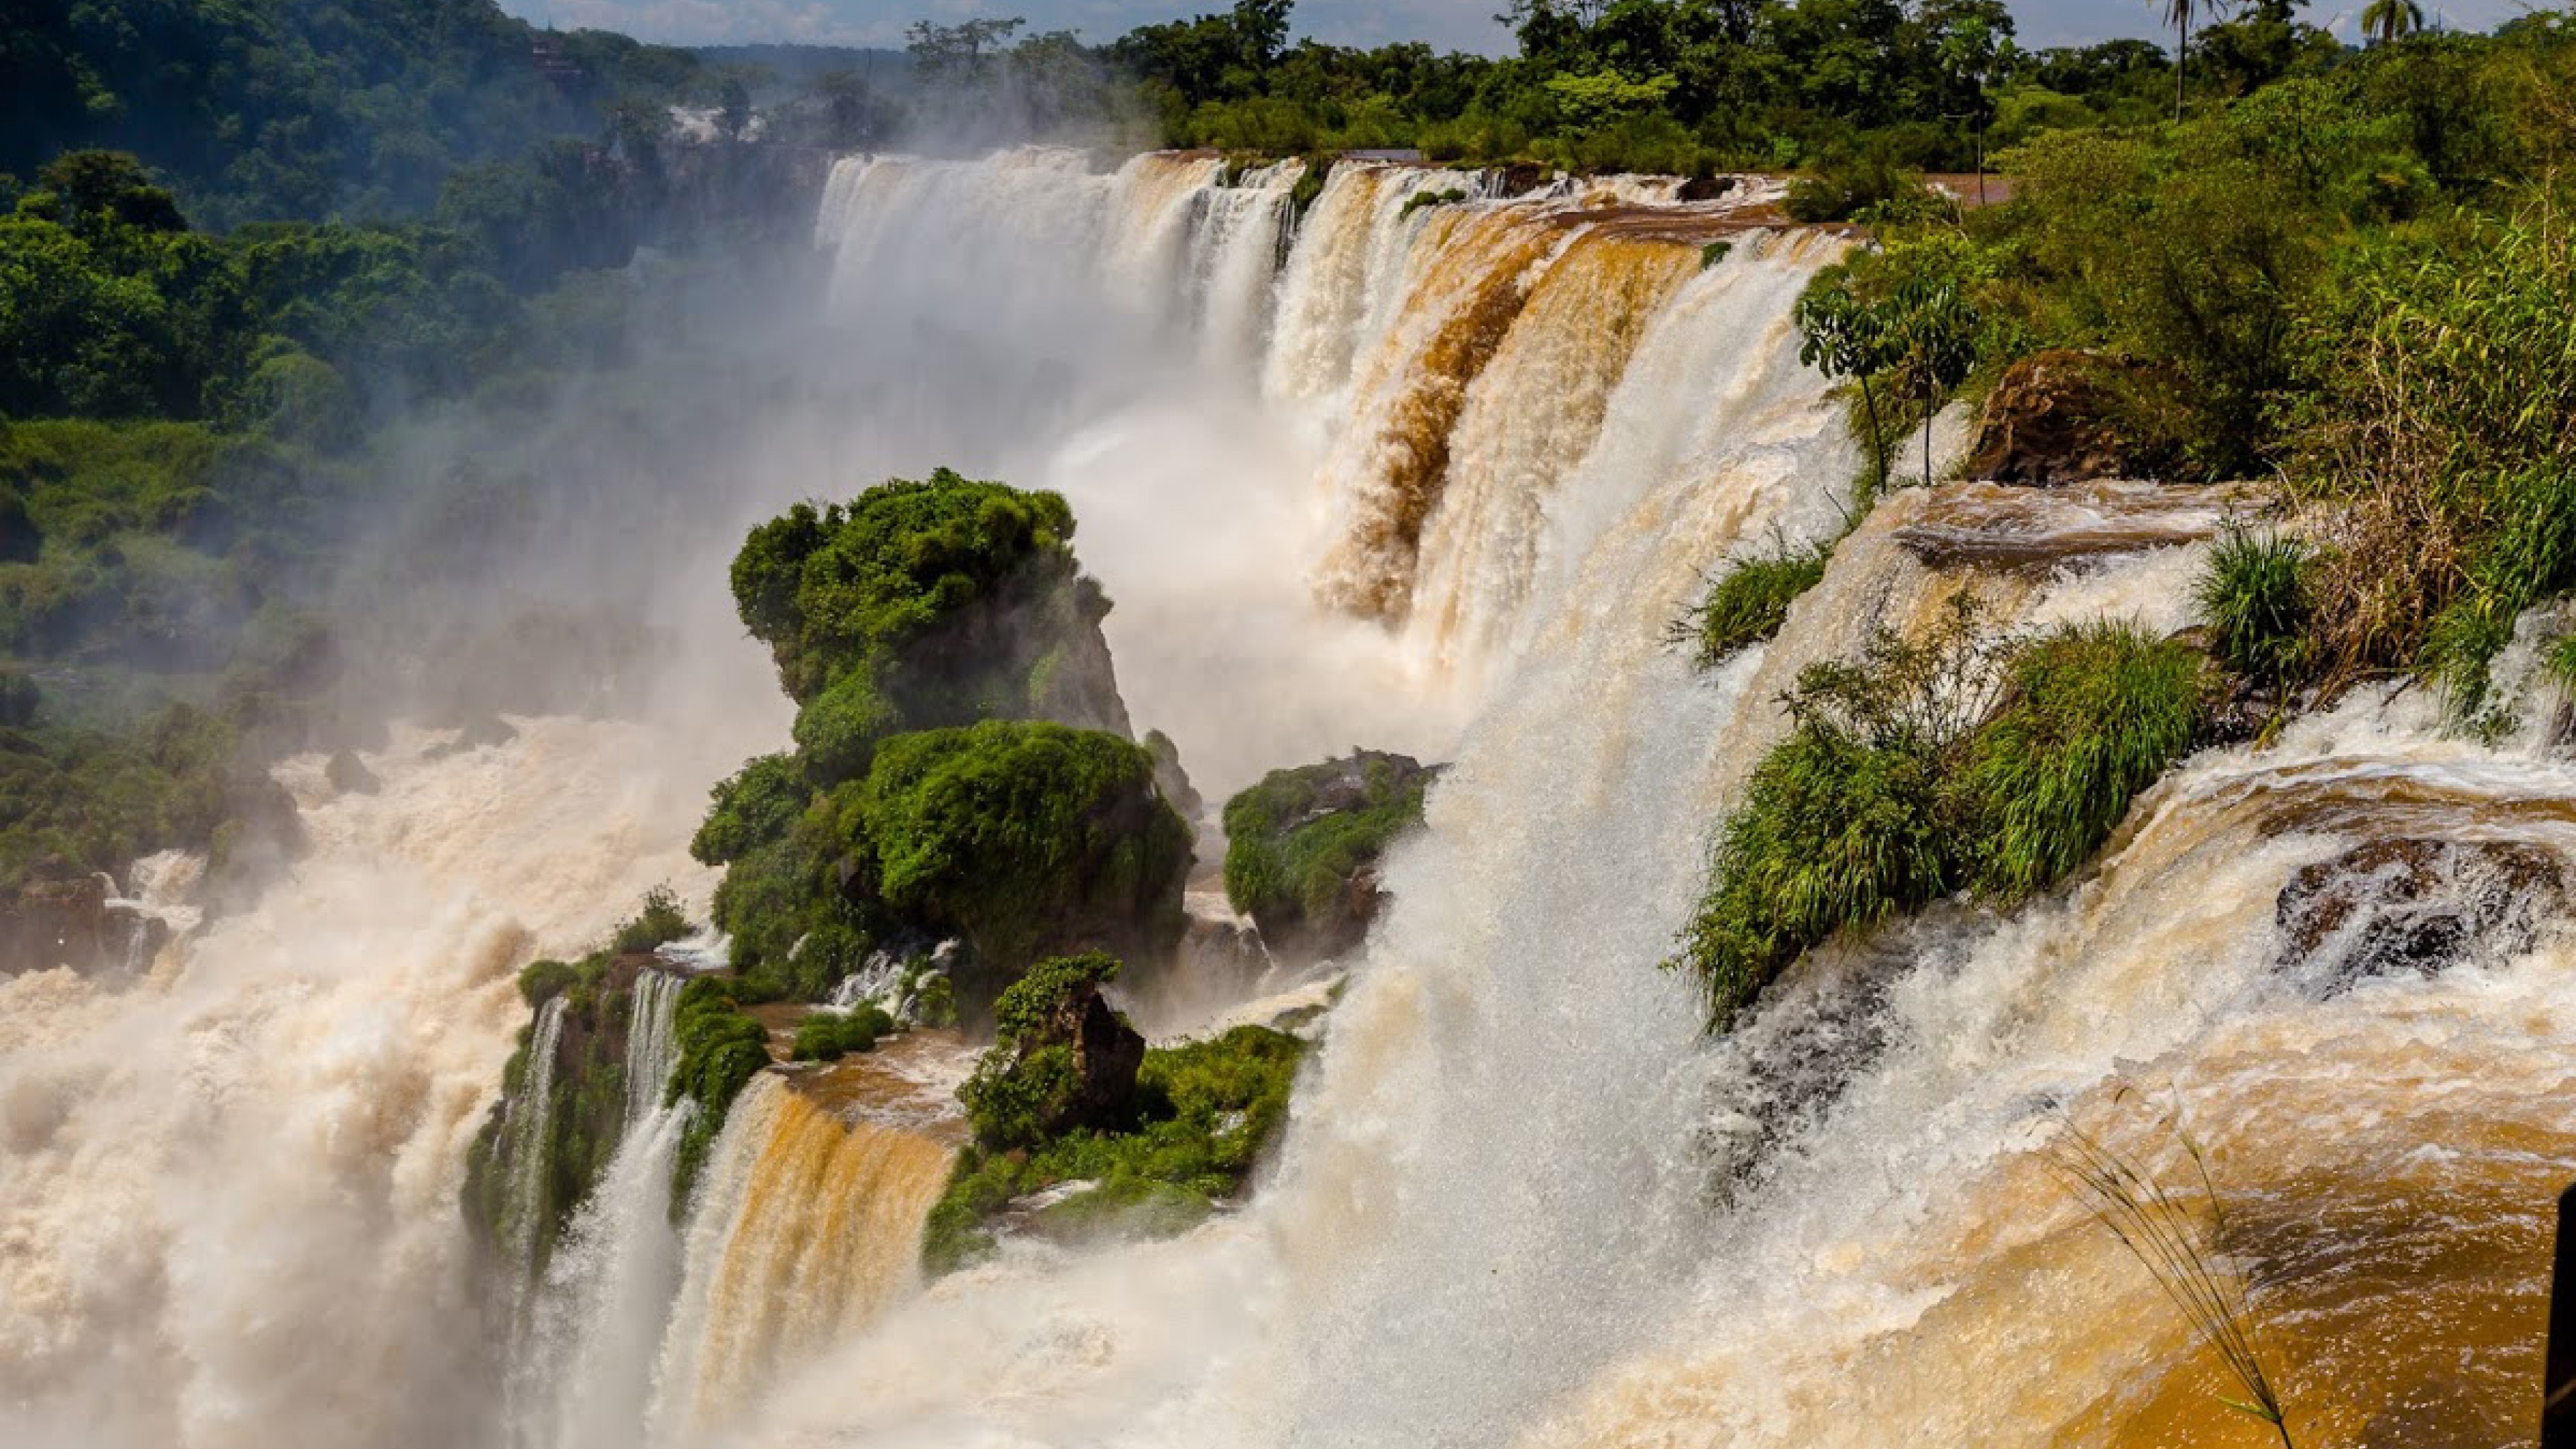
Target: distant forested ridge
(276, 109)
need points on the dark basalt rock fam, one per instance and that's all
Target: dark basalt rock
(2412, 906)
(1107, 1054)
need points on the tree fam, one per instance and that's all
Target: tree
(2180, 13)
(2386, 22)
(1841, 336)
(956, 51)
(1935, 329)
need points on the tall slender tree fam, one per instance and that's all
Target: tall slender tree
(2180, 13)
(2386, 22)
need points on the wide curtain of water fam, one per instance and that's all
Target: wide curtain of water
(1406, 464)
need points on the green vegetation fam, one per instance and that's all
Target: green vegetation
(828, 1036)
(1750, 601)
(1183, 1140)
(1023, 838)
(657, 923)
(1299, 842)
(2255, 597)
(311, 108)
(1959, 761)
(721, 1049)
(919, 605)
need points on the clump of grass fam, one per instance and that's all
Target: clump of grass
(1714, 253)
(2255, 596)
(1963, 760)
(2182, 1248)
(2092, 714)
(659, 922)
(1750, 601)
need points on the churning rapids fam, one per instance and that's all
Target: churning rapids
(1435, 478)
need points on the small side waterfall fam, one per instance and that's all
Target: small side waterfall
(652, 1049)
(807, 1229)
(530, 1126)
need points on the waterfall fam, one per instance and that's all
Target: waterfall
(807, 1230)
(530, 1129)
(584, 1379)
(1438, 477)
(232, 1186)
(651, 1047)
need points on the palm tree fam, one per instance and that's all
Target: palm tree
(2388, 21)
(2180, 13)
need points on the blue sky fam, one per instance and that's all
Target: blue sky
(1465, 24)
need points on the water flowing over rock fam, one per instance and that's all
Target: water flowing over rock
(1521, 1200)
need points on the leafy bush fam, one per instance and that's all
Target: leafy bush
(1296, 840)
(1957, 761)
(1750, 601)
(827, 1036)
(751, 809)
(659, 922)
(542, 981)
(845, 588)
(2444, 423)
(1207, 1112)
(1023, 838)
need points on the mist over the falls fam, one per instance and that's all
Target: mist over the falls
(1430, 478)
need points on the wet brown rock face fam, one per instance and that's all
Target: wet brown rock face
(1107, 1053)
(2059, 417)
(55, 923)
(2412, 905)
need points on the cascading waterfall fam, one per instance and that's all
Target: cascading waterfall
(652, 1046)
(808, 1229)
(1522, 1200)
(532, 1110)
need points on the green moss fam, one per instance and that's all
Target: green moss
(1927, 767)
(721, 1049)
(1425, 199)
(1208, 1111)
(1026, 1083)
(1296, 840)
(1750, 601)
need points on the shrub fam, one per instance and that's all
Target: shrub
(1294, 841)
(1750, 601)
(827, 1036)
(2254, 597)
(2092, 714)
(1022, 837)
(1206, 1112)
(660, 921)
(1958, 761)
(542, 981)
(753, 808)
(846, 587)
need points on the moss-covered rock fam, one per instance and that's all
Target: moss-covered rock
(1080, 1130)
(922, 604)
(1025, 839)
(1303, 846)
